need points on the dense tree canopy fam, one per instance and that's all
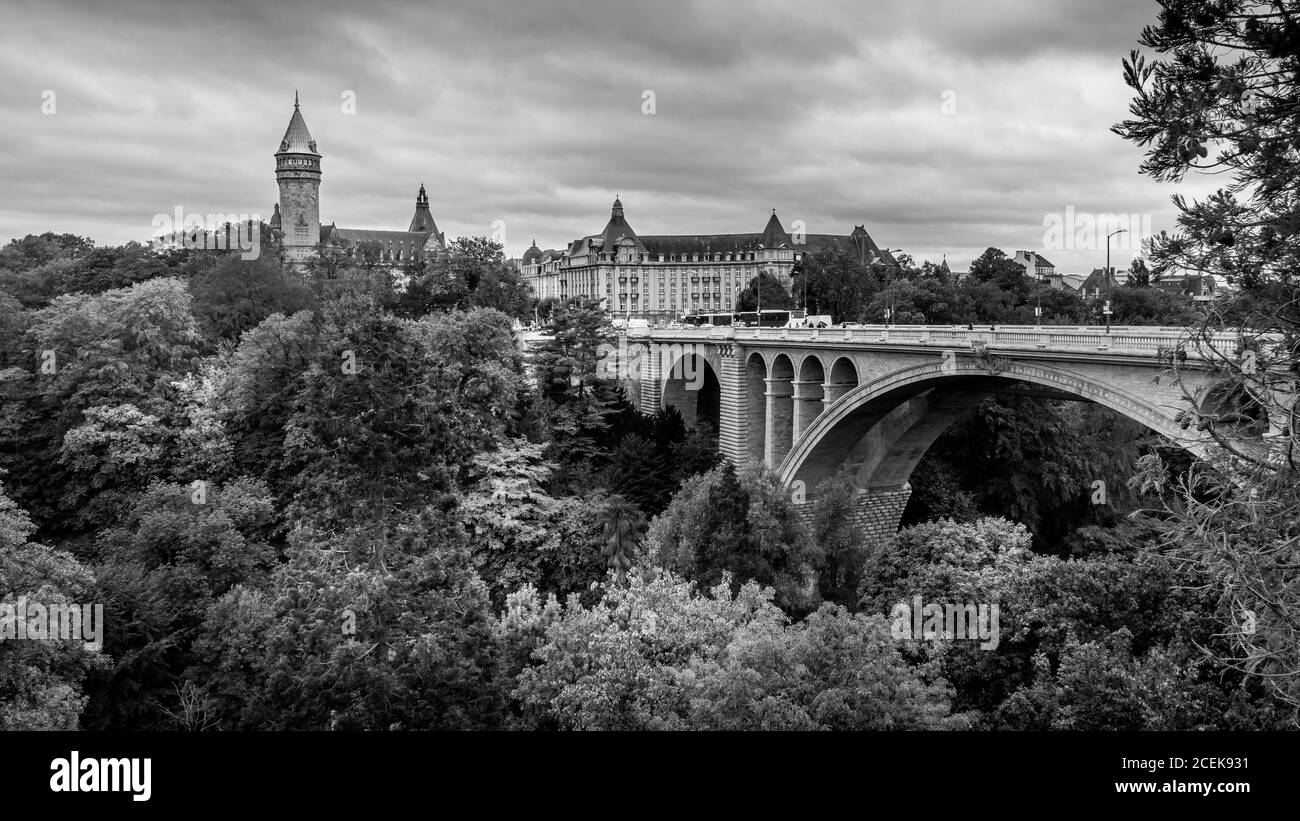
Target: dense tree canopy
(347, 497)
(1218, 95)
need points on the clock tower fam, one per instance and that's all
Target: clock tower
(297, 170)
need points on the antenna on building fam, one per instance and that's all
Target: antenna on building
(295, 98)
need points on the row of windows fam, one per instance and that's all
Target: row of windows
(714, 256)
(644, 282)
(627, 258)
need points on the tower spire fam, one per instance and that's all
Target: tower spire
(297, 170)
(423, 222)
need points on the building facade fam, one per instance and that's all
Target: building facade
(665, 276)
(1036, 265)
(295, 220)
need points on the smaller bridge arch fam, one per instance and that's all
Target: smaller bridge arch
(690, 383)
(843, 377)
(756, 412)
(779, 423)
(809, 392)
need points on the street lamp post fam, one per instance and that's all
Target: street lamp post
(1038, 298)
(1106, 273)
(889, 300)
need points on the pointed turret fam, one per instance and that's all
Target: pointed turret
(423, 222)
(297, 139)
(617, 228)
(774, 234)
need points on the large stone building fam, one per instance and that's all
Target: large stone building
(665, 276)
(296, 218)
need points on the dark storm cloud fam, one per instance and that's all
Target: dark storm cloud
(531, 113)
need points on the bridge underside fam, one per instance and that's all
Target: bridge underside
(880, 442)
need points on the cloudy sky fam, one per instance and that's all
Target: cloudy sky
(945, 127)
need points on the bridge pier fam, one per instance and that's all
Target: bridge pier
(877, 513)
(807, 403)
(778, 424)
(734, 411)
(834, 390)
(651, 391)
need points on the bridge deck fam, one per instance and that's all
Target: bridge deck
(1128, 340)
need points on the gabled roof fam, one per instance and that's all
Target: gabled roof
(1096, 281)
(858, 243)
(1186, 283)
(1039, 260)
(1072, 281)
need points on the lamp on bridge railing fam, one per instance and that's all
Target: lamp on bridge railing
(1038, 297)
(1106, 274)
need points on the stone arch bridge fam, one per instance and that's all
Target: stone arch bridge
(866, 402)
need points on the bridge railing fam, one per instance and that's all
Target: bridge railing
(1134, 340)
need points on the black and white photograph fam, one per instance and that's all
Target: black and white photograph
(445, 376)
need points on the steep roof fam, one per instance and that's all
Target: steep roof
(1096, 281)
(297, 139)
(699, 243)
(1072, 281)
(408, 242)
(858, 243)
(1039, 260)
(774, 234)
(422, 220)
(616, 229)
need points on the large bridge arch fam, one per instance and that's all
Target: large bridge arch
(877, 432)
